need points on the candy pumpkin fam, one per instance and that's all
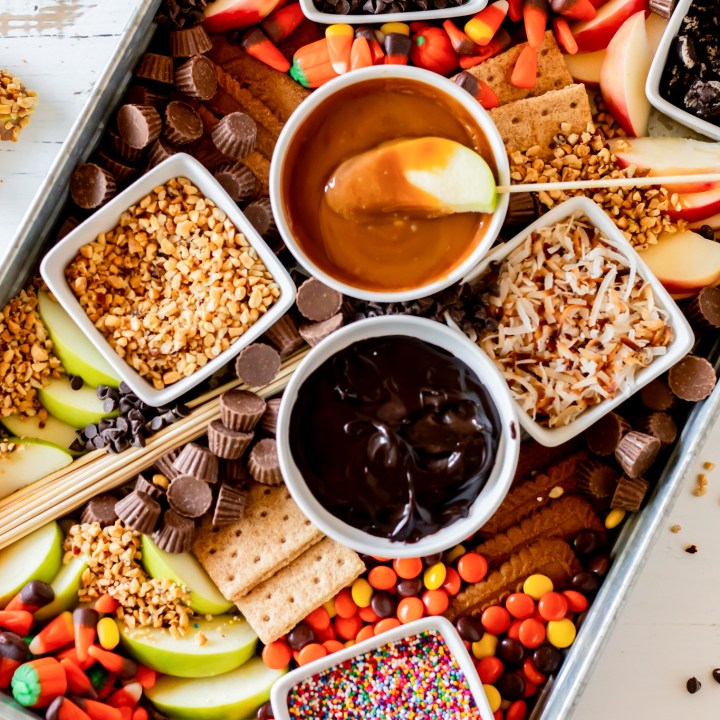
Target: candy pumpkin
(432, 50)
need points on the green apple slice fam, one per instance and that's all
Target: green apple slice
(236, 695)
(230, 642)
(51, 430)
(29, 461)
(77, 408)
(77, 354)
(36, 557)
(66, 585)
(184, 569)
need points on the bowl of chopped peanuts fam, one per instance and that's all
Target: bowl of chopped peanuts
(169, 280)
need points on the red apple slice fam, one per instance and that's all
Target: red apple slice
(585, 67)
(223, 15)
(655, 26)
(696, 206)
(623, 75)
(713, 222)
(595, 34)
(684, 262)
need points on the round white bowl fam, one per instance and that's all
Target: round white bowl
(388, 72)
(497, 484)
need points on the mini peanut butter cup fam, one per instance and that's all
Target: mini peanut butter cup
(182, 124)
(142, 484)
(175, 534)
(259, 213)
(186, 43)
(197, 78)
(120, 171)
(138, 511)
(237, 180)
(269, 420)
(91, 186)
(229, 506)
(656, 395)
(692, 379)
(227, 443)
(603, 437)
(522, 209)
(141, 95)
(313, 333)
(189, 496)
(138, 125)
(703, 311)
(257, 364)
(316, 301)
(241, 410)
(596, 479)
(636, 452)
(68, 225)
(629, 494)
(235, 135)
(155, 67)
(197, 461)
(164, 464)
(263, 463)
(659, 425)
(120, 149)
(284, 335)
(100, 509)
(235, 472)
(663, 8)
(160, 150)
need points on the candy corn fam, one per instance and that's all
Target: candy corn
(146, 677)
(461, 43)
(257, 44)
(19, 621)
(13, 651)
(397, 49)
(563, 35)
(97, 710)
(339, 42)
(378, 54)
(481, 28)
(127, 696)
(500, 42)
(535, 14)
(62, 708)
(395, 27)
(32, 597)
(85, 621)
(78, 682)
(311, 65)
(121, 666)
(59, 632)
(480, 90)
(360, 55)
(71, 653)
(515, 10)
(283, 22)
(524, 73)
(37, 683)
(574, 9)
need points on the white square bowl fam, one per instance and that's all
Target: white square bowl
(106, 218)
(652, 85)
(680, 345)
(281, 689)
(312, 13)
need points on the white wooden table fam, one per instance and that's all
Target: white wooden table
(670, 628)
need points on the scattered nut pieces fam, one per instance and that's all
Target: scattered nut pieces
(173, 285)
(675, 529)
(17, 104)
(708, 465)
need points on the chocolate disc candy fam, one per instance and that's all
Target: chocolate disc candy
(186, 43)
(155, 67)
(138, 125)
(100, 509)
(237, 181)
(189, 496)
(230, 505)
(603, 437)
(263, 463)
(240, 410)
(182, 124)
(138, 511)
(656, 395)
(175, 534)
(692, 379)
(629, 494)
(91, 186)
(317, 301)
(197, 78)
(197, 461)
(257, 364)
(284, 336)
(313, 333)
(235, 135)
(227, 443)
(636, 452)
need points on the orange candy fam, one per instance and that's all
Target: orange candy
(318, 619)
(435, 601)
(106, 604)
(516, 711)
(311, 652)
(345, 606)
(348, 628)
(409, 609)
(531, 633)
(531, 673)
(577, 602)
(452, 582)
(382, 577)
(367, 615)
(367, 632)
(514, 630)
(489, 669)
(553, 606)
(386, 624)
(520, 605)
(495, 619)
(277, 655)
(333, 646)
(408, 568)
(472, 567)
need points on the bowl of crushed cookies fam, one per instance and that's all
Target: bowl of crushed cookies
(168, 280)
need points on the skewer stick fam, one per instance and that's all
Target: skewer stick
(610, 183)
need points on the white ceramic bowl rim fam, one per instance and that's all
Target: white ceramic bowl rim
(471, 7)
(498, 482)
(456, 93)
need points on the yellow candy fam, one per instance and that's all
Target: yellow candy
(561, 633)
(493, 697)
(361, 592)
(330, 607)
(434, 576)
(537, 585)
(485, 646)
(452, 555)
(395, 27)
(614, 518)
(108, 633)
(340, 29)
(349, 643)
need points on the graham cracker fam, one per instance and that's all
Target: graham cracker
(552, 71)
(536, 120)
(277, 605)
(271, 534)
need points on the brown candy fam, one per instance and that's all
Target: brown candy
(189, 496)
(100, 509)
(703, 311)
(140, 95)
(284, 336)
(165, 463)
(120, 149)
(193, 41)
(160, 150)
(603, 437)
(263, 463)
(235, 472)
(629, 494)
(142, 484)
(121, 172)
(197, 78)
(636, 452)
(240, 410)
(138, 511)
(663, 8)
(230, 505)
(227, 443)
(175, 534)
(317, 301)
(197, 461)
(257, 364)
(155, 67)
(260, 215)
(656, 395)
(522, 209)
(313, 333)
(182, 124)
(269, 419)
(138, 125)
(596, 479)
(237, 180)
(659, 425)
(235, 135)
(91, 186)
(692, 379)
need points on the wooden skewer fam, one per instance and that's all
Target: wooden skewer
(610, 183)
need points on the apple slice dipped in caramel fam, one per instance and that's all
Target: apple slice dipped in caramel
(419, 177)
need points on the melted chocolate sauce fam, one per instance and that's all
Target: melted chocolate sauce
(395, 436)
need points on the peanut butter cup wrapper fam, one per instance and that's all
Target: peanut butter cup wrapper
(100, 509)
(656, 395)
(603, 437)
(121, 172)
(703, 311)
(182, 124)
(226, 443)
(138, 511)
(235, 135)
(241, 410)
(175, 534)
(229, 506)
(160, 150)
(186, 43)
(197, 78)
(156, 67)
(91, 186)
(284, 335)
(164, 464)
(237, 181)
(120, 149)
(270, 418)
(313, 333)
(141, 95)
(663, 8)
(659, 425)
(263, 463)
(596, 479)
(197, 461)
(138, 125)
(189, 496)
(636, 452)
(629, 494)
(69, 224)
(142, 484)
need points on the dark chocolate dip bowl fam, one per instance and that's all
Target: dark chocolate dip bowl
(398, 437)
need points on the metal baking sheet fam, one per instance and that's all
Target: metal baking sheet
(561, 693)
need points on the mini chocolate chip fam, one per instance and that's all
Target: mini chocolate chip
(90, 431)
(716, 675)
(691, 549)
(76, 382)
(693, 685)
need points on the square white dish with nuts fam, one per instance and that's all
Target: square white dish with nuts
(576, 320)
(169, 280)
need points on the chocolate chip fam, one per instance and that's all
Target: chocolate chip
(76, 382)
(693, 685)
(691, 549)
(716, 675)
